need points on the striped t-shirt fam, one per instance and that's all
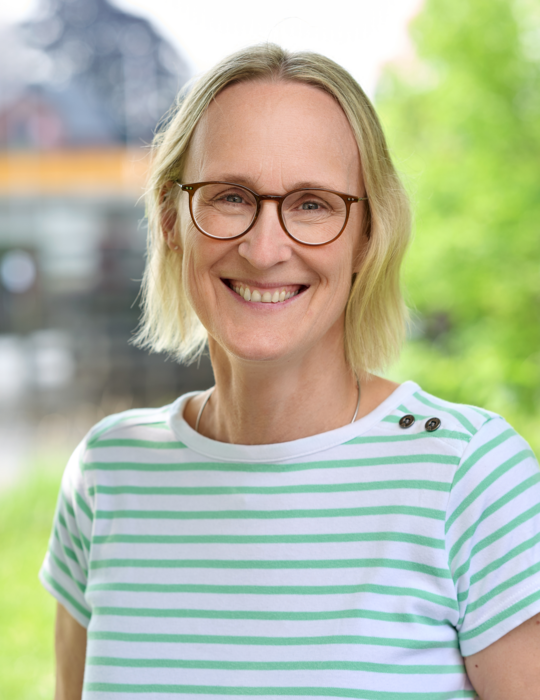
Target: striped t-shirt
(363, 562)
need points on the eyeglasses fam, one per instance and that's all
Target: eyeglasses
(224, 210)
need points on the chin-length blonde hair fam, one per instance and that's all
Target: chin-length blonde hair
(375, 314)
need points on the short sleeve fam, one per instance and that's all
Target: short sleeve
(493, 536)
(64, 572)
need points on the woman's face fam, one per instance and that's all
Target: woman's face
(272, 138)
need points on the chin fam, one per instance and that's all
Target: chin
(256, 349)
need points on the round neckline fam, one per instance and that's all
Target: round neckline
(280, 451)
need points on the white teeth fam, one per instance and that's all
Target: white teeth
(265, 297)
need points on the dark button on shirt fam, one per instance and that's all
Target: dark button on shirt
(406, 421)
(433, 424)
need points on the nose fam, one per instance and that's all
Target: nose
(267, 243)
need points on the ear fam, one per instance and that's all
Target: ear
(168, 215)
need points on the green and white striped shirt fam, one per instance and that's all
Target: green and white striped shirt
(364, 562)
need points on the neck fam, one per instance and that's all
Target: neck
(264, 403)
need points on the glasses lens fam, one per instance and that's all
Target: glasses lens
(314, 216)
(222, 210)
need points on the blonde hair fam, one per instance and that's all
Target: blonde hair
(375, 314)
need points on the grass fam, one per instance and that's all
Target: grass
(26, 609)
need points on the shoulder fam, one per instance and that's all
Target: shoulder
(494, 467)
(478, 436)
(467, 420)
(136, 428)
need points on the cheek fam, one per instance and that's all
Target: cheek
(200, 255)
(191, 265)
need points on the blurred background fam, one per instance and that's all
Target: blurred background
(83, 85)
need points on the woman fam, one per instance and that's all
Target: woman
(306, 528)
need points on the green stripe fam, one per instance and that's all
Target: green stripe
(151, 444)
(514, 580)
(270, 514)
(272, 539)
(276, 665)
(71, 513)
(86, 542)
(83, 506)
(489, 540)
(67, 550)
(482, 413)
(481, 452)
(271, 564)
(516, 551)
(493, 508)
(275, 690)
(444, 407)
(505, 614)
(176, 444)
(76, 541)
(83, 543)
(67, 572)
(241, 640)
(416, 484)
(407, 437)
(118, 419)
(67, 504)
(271, 615)
(484, 484)
(493, 566)
(62, 591)
(161, 424)
(390, 460)
(273, 590)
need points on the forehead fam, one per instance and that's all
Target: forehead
(275, 133)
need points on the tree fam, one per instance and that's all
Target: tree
(463, 120)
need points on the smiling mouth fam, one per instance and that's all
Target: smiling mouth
(275, 295)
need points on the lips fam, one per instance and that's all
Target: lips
(265, 294)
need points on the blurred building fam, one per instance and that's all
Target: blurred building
(84, 87)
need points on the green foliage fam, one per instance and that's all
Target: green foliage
(26, 609)
(463, 120)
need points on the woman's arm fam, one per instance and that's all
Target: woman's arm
(509, 669)
(70, 646)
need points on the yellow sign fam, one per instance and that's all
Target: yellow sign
(80, 172)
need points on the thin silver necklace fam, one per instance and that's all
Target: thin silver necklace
(212, 391)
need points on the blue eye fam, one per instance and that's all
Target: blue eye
(234, 198)
(310, 205)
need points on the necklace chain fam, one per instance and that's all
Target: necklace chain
(212, 391)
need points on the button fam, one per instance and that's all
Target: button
(433, 424)
(406, 421)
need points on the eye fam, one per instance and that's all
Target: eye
(233, 198)
(314, 204)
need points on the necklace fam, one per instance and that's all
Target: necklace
(212, 391)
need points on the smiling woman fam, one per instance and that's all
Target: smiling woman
(305, 528)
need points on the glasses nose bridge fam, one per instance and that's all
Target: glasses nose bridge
(278, 199)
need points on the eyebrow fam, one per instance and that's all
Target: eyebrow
(248, 182)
